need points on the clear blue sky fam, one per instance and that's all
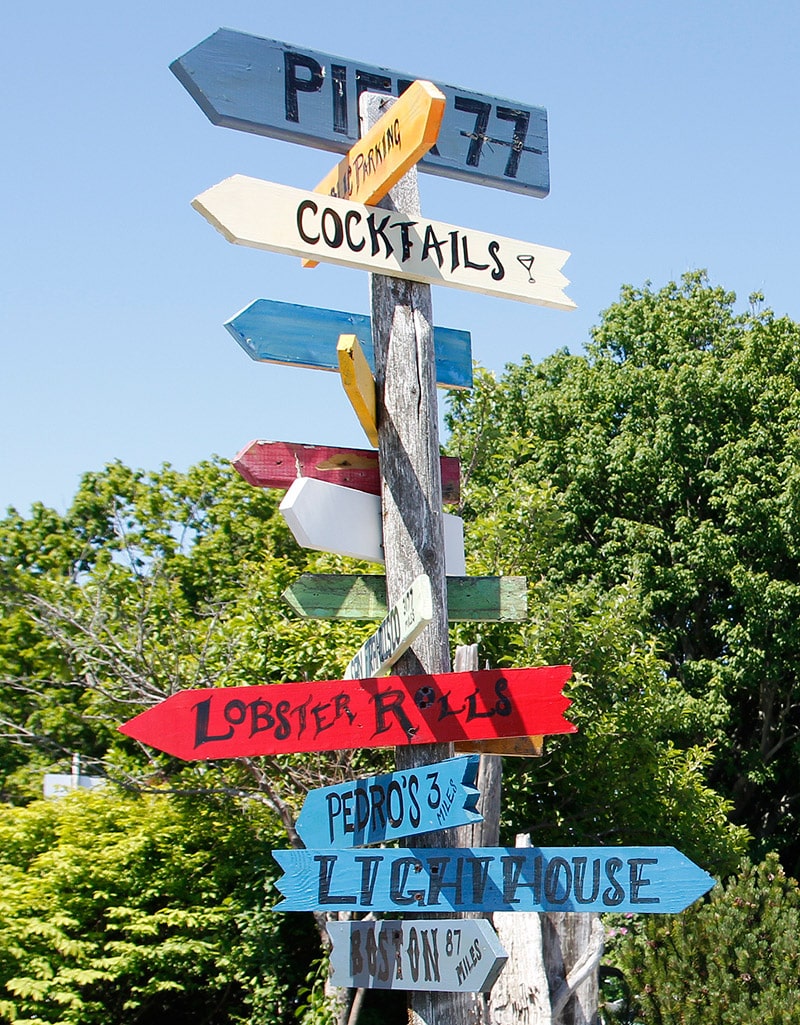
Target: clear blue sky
(674, 144)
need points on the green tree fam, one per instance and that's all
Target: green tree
(665, 461)
(732, 960)
(120, 908)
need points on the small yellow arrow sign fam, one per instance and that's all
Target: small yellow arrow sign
(359, 384)
(391, 147)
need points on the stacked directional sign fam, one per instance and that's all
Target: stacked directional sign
(453, 955)
(333, 502)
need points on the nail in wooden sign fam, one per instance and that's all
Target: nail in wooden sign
(363, 596)
(300, 95)
(461, 955)
(264, 215)
(359, 385)
(641, 880)
(305, 336)
(404, 623)
(391, 147)
(278, 464)
(333, 715)
(329, 518)
(393, 805)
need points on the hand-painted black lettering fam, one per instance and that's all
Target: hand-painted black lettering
(261, 717)
(499, 271)
(637, 881)
(307, 204)
(579, 875)
(324, 896)
(235, 712)
(369, 874)
(339, 87)
(293, 84)
(383, 948)
(202, 717)
(368, 83)
(376, 231)
(481, 110)
(332, 228)
(401, 869)
(356, 958)
(472, 707)
(556, 891)
(445, 710)
(414, 811)
(404, 227)
(432, 242)
(434, 791)
(503, 704)
(387, 701)
(614, 894)
(352, 217)
(467, 261)
(283, 728)
(521, 119)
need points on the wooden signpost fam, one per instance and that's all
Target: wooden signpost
(278, 464)
(330, 518)
(299, 95)
(331, 715)
(281, 219)
(390, 148)
(641, 880)
(392, 805)
(405, 621)
(304, 336)
(360, 596)
(359, 385)
(460, 955)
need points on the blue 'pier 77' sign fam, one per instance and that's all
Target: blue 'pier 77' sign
(298, 95)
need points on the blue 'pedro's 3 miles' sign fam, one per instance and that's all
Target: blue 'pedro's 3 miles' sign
(299, 95)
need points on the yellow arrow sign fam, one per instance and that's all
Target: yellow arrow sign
(359, 384)
(394, 144)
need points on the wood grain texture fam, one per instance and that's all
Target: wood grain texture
(362, 596)
(277, 464)
(299, 95)
(431, 709)
(391, 146)
(635, 880)
(457, 955)
(358, 384)
(391, 805)
(306, 336)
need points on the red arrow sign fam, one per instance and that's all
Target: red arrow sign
(277, 464)
(234, 722)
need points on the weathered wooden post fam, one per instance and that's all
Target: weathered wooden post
(411, 495)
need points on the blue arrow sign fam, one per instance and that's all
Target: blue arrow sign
(392, 805)
(304, 336)
(644, 880)
(298, 95)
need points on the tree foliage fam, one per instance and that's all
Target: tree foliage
(732, 960)
(665, 461)
(143, 909)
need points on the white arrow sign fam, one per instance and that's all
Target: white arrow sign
(251, 212)
(457, 955)
(406, 620)
(331, 518)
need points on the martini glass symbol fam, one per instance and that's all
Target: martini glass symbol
(527, 263)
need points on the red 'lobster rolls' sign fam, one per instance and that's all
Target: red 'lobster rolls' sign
(329, 715)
